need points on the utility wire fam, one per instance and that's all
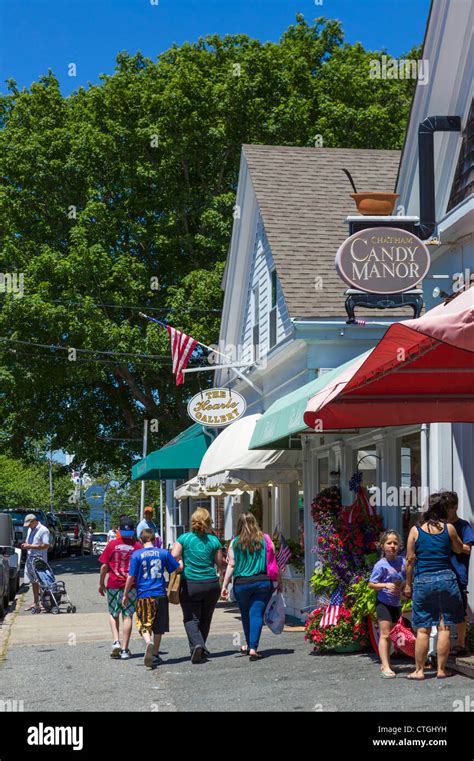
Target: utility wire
(121, 306)
(48, 357)
(85, 351)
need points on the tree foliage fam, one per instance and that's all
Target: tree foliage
(25, 484)
(134, 179)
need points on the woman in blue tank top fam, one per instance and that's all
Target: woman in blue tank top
(436, 596)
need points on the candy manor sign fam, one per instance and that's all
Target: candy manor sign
(216, 407)
(382, 260)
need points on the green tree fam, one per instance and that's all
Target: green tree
(119, 198)
(25, 484)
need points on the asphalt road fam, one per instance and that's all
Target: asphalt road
(62, 663)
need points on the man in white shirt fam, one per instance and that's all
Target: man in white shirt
(112, 534)
(36, 545)
(148, 522)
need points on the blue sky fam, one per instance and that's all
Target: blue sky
(46, 34)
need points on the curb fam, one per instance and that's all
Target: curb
(6, 626)
(462, 665)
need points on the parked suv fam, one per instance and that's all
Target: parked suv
(80, 537)
(18, 515)
(58, 538)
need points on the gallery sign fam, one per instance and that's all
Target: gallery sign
(383, 260)
(216, 407)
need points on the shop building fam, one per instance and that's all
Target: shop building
(284, 314)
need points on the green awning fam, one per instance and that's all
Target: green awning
(277, 427)
(176, 458)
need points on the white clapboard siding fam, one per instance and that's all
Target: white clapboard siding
(260, 275)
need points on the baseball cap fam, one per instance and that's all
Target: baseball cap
(30, 517)
(127, 527)
(148, 510)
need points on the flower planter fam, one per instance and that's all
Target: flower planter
(291, 572)
(354, 647)
(375, 204)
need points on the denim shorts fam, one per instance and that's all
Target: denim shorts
(435, 595)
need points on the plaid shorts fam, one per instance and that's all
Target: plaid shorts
(114, 602)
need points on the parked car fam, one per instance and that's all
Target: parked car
(12, 554)
(4, 584)
(80, 536)
(99, 543)
(58, 536)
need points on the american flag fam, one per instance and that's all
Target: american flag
(333, 610)
(284, 553)
(182, 346)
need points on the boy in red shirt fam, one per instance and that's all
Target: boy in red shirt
(115, 561)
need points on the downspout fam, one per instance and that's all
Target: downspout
(425, 463)
(426, 130)
(309, 558)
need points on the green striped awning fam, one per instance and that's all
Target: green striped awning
(176, 458)
(284, 419)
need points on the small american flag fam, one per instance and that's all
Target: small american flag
(284, 553)
(333, 610)
(182, 346)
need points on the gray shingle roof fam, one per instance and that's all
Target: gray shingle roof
(304, 200)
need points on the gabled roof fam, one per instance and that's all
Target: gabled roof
(304, 199)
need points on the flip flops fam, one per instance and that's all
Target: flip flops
(388, 674)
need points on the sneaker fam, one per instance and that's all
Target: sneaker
(116, 650)
(125, 654)
(148, 659)
(196, 655)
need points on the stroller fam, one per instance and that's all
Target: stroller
(53, 594)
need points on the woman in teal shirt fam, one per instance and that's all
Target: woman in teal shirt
(200, 552)
(247, 562)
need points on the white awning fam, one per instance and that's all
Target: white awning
(196, 488)
(229, 464)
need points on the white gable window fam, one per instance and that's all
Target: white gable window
(273, 309)
(255, 322)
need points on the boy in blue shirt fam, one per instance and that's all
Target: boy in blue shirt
(146, 571)
(460, 565)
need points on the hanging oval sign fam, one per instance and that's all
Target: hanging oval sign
(383, 260)
(216, 407)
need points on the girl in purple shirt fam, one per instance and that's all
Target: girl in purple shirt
(388, 575)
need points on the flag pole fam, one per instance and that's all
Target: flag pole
(237, 372)
(198, 342)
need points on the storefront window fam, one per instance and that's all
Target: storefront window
(323, 473)
(411, 499)
(365, 462)
(410, 470)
